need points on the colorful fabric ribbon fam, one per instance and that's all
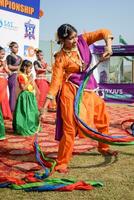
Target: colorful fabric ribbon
(39, 181)
(54, 185)
(90, 132)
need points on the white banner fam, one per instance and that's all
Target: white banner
(21, 29)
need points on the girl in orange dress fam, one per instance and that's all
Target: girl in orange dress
(69, 62)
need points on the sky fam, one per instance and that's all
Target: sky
(88, 15)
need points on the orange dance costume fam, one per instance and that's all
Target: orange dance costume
(92, 112)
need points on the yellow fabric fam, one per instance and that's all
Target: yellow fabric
(23, 79)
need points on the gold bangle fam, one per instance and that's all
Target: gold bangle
(49, 96)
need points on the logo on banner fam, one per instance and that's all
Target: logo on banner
(28, 51)
(7, 24)
(29, 30)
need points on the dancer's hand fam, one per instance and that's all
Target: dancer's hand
(31, 80)
(107, 53)
(43, 113)
(44, 110)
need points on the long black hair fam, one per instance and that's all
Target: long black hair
(2, 49)
(12, 44)
(25, 64)
(37, 51)
(64, 31)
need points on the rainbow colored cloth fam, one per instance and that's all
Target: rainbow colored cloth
(40, 181)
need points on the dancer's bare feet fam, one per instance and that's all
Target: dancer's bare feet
(61, 169)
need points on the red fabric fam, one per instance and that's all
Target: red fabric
(11, 180)
(6, 111)
(30, 178)
(76, 186)
(126, 128)
(46, 163)
(21, 79)
(43, 87)
(3, 87)
(4, 99)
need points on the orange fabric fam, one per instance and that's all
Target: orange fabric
(92, 37)
(23, 79)
(92, 112)
(3, 88)
(92, 107)
(6, 111)
(64, 66)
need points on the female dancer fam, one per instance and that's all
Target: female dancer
(70, 66)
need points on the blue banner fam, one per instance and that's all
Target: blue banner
(23, 7)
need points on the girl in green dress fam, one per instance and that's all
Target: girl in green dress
(2, 127)
(26, 115)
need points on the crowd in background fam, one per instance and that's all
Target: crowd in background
(22, 95)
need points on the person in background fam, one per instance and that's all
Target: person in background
(4, 72)
(71, 63)
(42, 68)
(2, 126)
(26, 115)
(13, 62)
(3, 90)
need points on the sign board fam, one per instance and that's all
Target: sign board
(19, 22)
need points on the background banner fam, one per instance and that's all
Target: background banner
(23, 7)
(117, 93)
(19, 22)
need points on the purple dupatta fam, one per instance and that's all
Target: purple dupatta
(76, 78)
(12, 83)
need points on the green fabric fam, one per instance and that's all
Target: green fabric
(80, 98)
(26, 115)
(121, 40)
(109, 142)
(54, 181)
(52, 161)
(2, 127)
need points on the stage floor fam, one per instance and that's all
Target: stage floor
(17, 158)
